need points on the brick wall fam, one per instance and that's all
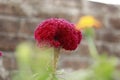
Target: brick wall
(18, 19)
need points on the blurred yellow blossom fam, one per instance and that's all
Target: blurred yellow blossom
(87, 22)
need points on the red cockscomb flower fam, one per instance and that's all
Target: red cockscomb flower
(58, 33)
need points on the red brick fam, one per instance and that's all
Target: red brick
(110, 36)
(105, 49)
(75, 64)
(116, 50)
(8, 26)
(118, 66)
(83, 50)
(9, 43)
(46, 15)
(109, 49)
(115, 23)
(100, 8)
(69, 3)
(1, 78)
(116, 53)
(9, 62)
(11, 9)
(28, 27)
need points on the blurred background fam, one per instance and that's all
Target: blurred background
(19, 18)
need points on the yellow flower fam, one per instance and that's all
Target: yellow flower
(87, 22)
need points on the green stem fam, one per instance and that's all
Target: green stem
(92, 48)
(89, 33)
(56, 57)
(55, 60)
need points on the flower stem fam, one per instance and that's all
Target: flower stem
(89, 33)
(55, 60)
(56, 57)
(92, 48)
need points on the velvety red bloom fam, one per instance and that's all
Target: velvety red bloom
(58, 33)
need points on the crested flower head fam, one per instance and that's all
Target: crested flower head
(58, 33)
(87, 22)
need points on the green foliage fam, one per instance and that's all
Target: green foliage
(103, 68)
(34, 63)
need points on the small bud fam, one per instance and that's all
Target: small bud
(0, 53)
